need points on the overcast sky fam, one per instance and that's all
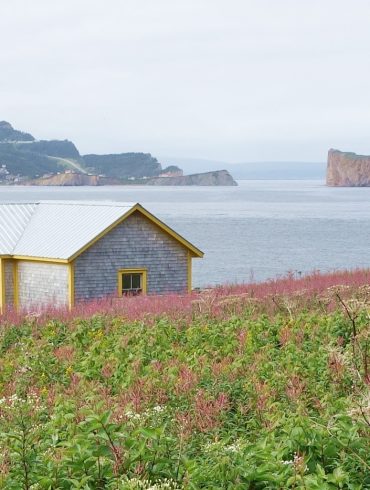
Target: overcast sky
(232, 80)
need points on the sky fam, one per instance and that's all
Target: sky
(229, 80)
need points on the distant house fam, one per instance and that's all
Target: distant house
(63, 252)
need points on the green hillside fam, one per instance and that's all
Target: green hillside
(27, 157)
(32, 158)
(124, 165)
(8, 133)
(54, 148)
(229, 389)
(21, 161)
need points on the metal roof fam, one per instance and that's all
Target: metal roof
(60, 229)
(13, 221)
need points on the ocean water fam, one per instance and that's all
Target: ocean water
(258, 230)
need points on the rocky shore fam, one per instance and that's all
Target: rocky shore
(66, 179)
(216, 178)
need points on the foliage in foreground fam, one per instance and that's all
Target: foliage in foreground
(249, 394)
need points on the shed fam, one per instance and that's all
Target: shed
(63, 252)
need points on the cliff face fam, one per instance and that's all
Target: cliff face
(67, 180)
(347, 169)
(219, 177)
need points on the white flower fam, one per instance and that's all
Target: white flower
(158, 409)
(233, 448)
(136, 484)
(132, 415)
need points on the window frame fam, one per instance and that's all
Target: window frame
(122, 272)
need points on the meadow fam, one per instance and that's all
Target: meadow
(255, 386)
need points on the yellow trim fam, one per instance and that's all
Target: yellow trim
(189, 273)
(15, 285)
(2, 285)
(3, 260)
(121, 272)
(40, 259)
(193, 250)
(71, 285)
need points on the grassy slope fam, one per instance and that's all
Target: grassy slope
(250, 387)
(37, 158)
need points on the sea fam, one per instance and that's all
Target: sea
(262, 229)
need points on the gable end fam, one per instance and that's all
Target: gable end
(194, 251)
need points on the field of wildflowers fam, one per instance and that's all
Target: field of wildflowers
(260, 386)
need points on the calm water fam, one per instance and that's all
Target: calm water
(258, 230)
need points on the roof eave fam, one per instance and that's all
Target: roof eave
(39, 259)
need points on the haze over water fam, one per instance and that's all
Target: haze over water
(258, 230)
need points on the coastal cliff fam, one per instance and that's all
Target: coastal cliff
(347, 169)
(218, 177)
(66, 179)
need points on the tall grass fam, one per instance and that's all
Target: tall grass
(205, 301)
(312, 283)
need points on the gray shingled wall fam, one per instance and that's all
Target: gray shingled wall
(42, 283)
(135, 243)
(9, 286)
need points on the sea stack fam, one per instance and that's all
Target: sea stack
(346, 169)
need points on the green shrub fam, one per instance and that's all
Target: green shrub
(266, 399)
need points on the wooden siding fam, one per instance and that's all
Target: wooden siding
(135, 243)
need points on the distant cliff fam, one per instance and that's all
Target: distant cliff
(218, 177)
(347, 169)
(67, 179)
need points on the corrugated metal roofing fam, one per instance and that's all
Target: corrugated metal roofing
(13, 221)
(55, 229)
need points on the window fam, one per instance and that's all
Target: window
(131, 282)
